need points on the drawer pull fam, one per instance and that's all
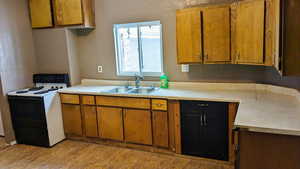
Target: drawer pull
(159, 105)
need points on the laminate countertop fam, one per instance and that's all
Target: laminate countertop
(262, 108)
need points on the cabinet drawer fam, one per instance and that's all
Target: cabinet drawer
(88, 100)
(69, 98)
(158, 104)
(138, 103)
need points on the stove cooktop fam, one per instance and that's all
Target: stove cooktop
(38, 91)
(36, 88)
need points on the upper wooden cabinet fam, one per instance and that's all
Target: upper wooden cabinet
(74, 12)
(68, 12)
(40, 18)
(216, 34)
(290, 38)
(272, 32)
(203, 31)
(79, 13)
(242, 32)
(249, 36)
(189, 47)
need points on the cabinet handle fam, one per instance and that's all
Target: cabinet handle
(205, 120)
(201, 120)
(238, 56)
(202, 105)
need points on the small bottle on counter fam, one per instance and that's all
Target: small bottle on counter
(164, 81)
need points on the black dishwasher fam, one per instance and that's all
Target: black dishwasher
(204, 129)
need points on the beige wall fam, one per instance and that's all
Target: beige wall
(17, 58)
(73, 58)
(1, 125)
(51, 50)
(56, 52)
(98, 47)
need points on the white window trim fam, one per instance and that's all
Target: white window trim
(117, 50)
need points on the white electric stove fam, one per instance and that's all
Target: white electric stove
(36, 112)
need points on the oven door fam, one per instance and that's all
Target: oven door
(29, 120)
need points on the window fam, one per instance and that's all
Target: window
(139, 48)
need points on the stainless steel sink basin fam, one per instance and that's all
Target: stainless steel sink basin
(142, 90)
(128, 90)
(120, 90)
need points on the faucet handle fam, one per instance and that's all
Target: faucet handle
(139, 77)
(127, 84)
(152, 86)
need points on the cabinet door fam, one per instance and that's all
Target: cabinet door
(72, 119)
(137, 126)
(189, 47)
(215, 131)
(90, 121)
(291, 37)
(268, 151)
(272, 33)
(191, 134)
(40, 12)
(110, 122)
(160, 128)
(216, 34)
(250, 32)
(68, 12)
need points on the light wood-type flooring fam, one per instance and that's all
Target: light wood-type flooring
(3, 144)
(82, 155)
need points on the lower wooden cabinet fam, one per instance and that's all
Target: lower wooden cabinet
(137, 126)
(90, 121)
(268, 151)
(72, 119)
(110, 123)
(160, 128)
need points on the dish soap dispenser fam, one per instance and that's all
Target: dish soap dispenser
(164, 81)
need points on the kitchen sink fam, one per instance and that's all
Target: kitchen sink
(120, 90)
(142, 90)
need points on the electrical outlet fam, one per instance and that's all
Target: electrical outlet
(100, 69)
(185, 68)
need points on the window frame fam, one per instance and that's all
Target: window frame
(117, 48)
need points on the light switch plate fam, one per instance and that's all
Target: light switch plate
(100, 69)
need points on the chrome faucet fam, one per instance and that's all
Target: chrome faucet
(138, 79)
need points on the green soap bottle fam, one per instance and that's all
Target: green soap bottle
(164, 81)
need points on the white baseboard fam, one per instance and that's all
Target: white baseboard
(13, 143)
